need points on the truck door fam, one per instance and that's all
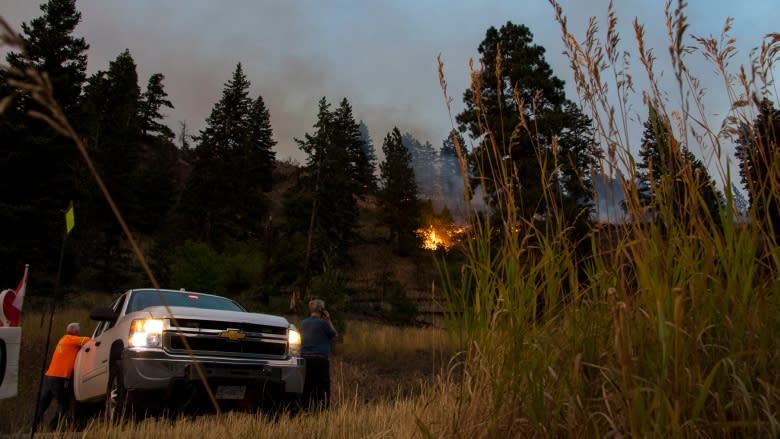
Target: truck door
(90, 375)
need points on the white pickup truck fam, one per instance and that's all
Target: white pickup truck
(143, 355)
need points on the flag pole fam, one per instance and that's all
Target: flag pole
(68, 228)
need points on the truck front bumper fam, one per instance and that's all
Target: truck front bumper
(155, 369)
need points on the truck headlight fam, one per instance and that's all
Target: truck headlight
(294, 341)
(146, 333)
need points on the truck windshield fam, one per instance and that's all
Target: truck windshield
(146, 298)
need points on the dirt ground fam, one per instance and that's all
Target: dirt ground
(375, 378)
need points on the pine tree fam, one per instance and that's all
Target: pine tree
(152, 101)
(156, 180)
(360, 166)
(260, 143)
(369, 167)
(36, 163)
(157, 184)
(223, 198)
(741, 205)
(423, 156)
(649, 166)
(322, 208)
(672, 180)
(112, 123)
(307, 203)
(525, 114)
(577, 157)
(112, 128)
(52, 48)
(758, 153)
(335, 210)
(250, 175)
(399, 205)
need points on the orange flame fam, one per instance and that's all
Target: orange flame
(434, 239)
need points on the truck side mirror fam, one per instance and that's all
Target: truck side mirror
(103, 315)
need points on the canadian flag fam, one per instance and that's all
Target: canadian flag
(12, 300)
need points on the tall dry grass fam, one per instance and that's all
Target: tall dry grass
(672, 332)
(368, 338)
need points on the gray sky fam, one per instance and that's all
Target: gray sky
(381, 56)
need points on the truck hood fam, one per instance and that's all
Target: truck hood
(179, 312)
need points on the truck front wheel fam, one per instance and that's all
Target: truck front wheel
(117, 405)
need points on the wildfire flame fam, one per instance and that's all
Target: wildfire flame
(430, 239)
(434, 239)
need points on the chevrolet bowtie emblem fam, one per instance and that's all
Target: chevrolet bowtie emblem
(233, 334)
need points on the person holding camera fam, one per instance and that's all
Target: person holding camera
(317, 332)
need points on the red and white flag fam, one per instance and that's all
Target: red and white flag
(12, 301)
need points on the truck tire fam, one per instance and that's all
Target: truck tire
(117, 404)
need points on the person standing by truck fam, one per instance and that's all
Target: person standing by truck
(56, 381)
(317, 332)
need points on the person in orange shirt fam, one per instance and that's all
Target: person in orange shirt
(56, 382)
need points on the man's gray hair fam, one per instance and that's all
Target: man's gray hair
(73, 328)
(316, 305)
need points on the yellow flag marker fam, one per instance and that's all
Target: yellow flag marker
(70, 219)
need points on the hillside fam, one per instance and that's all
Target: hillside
(376, 266)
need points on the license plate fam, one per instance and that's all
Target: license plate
(230, 392)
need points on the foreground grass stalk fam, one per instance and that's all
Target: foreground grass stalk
(666, 327)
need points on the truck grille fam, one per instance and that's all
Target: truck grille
(221, 326)
(215, 338)
(213, 344)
